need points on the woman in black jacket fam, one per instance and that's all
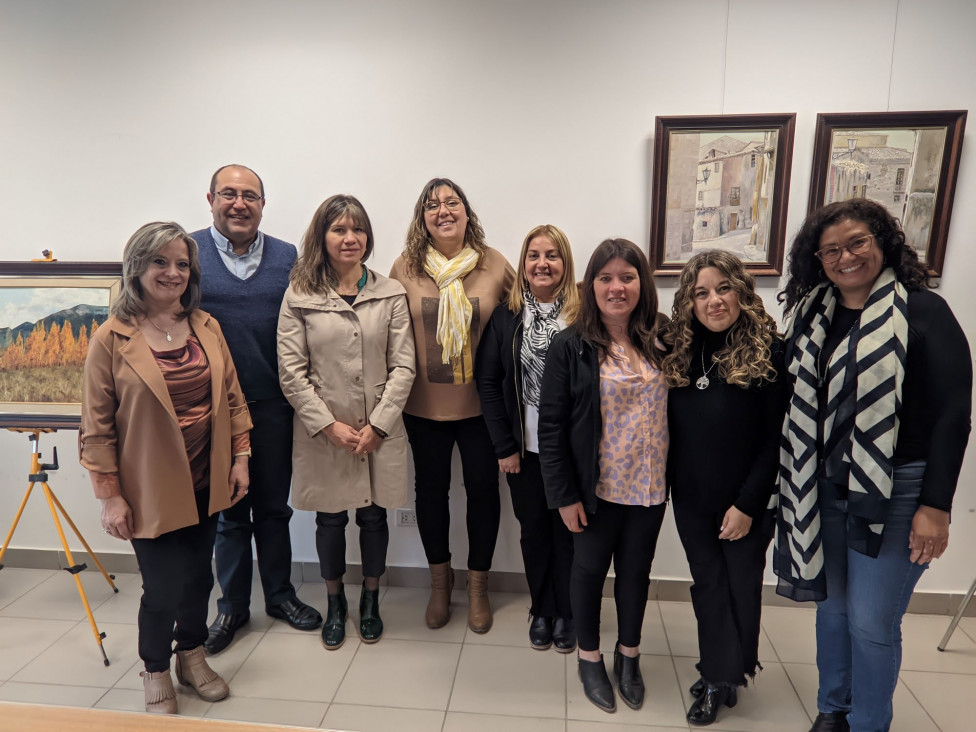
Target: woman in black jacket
(725, 411)
(509, 368)
(603, 442)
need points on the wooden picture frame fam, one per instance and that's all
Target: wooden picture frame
(47, 312)
(906, 161)
(721, 182)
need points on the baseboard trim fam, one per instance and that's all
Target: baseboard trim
(929, 603)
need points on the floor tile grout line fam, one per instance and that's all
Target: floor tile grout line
(54, 573)
(919, 702)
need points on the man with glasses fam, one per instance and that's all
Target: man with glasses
(244, 277)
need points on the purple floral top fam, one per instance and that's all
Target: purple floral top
(634, 445)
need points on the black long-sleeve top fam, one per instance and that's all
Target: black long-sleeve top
(936, 395)
(725, 439)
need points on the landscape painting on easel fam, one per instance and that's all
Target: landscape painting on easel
(48, 313)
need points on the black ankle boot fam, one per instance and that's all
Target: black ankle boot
(596, 684)
(370, 623)
(698, 688)
(831, 722)
(705, 709)
(627, 674)
(334, 627)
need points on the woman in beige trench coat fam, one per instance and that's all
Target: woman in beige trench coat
(346, 364)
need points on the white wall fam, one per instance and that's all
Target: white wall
(116, 112)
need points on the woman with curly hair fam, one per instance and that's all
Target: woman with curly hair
(872, 448)
(725, 412)
(453, 281)
(603, 445)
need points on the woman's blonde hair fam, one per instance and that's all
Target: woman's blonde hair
(418, 237)
(746, 357)
(139, 251)
(567, 288)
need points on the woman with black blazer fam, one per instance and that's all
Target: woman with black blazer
(603, 442)
(508, 372)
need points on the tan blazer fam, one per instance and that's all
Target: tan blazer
(129, 426)
(352, 364)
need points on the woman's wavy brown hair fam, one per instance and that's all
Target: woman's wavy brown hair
(644, 324)
(418, 237)
(746, 357)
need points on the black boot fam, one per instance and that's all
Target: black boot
(564, 635)
(831, 722)
(334, 628)
(370, 623)
(705, 709)
(596, 684)
(627, 674)
(540, 633)
(698, 688)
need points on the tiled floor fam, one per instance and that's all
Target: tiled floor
(449, 680)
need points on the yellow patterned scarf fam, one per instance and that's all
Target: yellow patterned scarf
(454, 308)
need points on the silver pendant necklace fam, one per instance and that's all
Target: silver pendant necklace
(703, 381)
(169, 338)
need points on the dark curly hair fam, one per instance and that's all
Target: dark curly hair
(645, 322)
(806, 271)
(745, 359)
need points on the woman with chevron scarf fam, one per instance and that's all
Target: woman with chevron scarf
(454, 281)
(872, 447)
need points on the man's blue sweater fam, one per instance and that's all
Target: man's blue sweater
(247, 310)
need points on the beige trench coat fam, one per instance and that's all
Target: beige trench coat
(353, 364)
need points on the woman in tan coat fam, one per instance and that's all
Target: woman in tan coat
(164, 436)
(346, 363)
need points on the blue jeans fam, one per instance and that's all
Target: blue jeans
(859, 624)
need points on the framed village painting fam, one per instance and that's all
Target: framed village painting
(48, 312)
(906, 161)
(721, 182)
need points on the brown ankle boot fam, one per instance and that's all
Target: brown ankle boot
(479, 611)
(441, 584)
(160, 694)
(193, 670)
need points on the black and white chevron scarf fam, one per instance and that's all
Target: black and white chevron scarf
(543, 327)
(864, 381)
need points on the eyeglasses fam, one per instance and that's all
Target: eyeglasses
(230, 195)
(452, 204)
(857, 246)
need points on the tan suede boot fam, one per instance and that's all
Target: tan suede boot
(160, 694)
(479, 611)
(193, 670)
(441, 584)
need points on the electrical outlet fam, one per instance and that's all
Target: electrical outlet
(406, 517)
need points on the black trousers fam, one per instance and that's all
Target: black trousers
(547, 545)
(263, 514)
(176, 584)
(727, 592)
(330, 541)
(432, 444)
(627, 535)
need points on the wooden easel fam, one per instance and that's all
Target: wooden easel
(38, 474)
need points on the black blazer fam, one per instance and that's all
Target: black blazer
(498, 373)
(570, 425)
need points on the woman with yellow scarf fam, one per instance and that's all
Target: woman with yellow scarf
(454, 281)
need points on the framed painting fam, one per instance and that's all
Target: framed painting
(906, 161)
(721, 182)
(48, 311)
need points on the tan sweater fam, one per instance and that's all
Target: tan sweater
(445, 391)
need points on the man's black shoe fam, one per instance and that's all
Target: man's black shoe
(296, 613)
(221, 632)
